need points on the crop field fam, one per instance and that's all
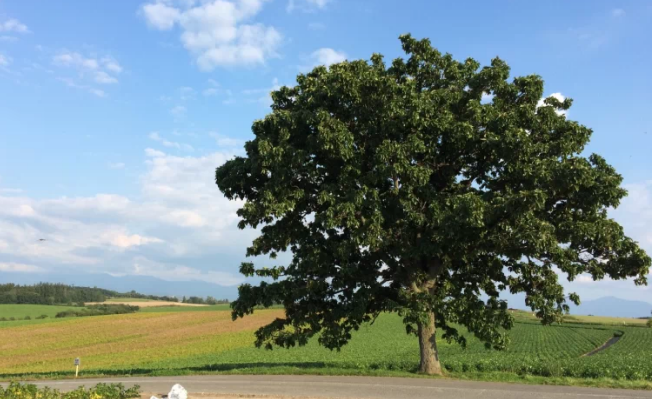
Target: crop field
(119, 299)
(190, 341)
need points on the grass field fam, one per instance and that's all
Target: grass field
(20, 311)
(191, 340)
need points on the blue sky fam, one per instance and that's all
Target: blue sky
(114, 114)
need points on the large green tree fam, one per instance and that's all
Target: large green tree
(403, 189)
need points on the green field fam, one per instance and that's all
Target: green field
(20, 311)
(168, 341)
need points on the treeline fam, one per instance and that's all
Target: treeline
(201, 301)
(50, 294)
(98, 310)
(62, 294)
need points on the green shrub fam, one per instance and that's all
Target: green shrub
(99, 310)
(3, 319)
(649, 322)
(100, 391)
(27, 318)
(41, 317)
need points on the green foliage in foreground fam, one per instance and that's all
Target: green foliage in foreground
(100, 391)
(99, 310)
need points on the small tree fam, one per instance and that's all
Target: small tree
(649, 322)
(403, 189)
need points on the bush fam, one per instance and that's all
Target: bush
(649, 323)
(98, 310)
(27, 318)
(100, 391)
(12, 319)
(43, 316)
(3, 319)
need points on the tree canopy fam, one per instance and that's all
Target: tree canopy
(422, 188)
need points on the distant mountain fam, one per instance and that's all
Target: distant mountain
(142, 284)
(614, 307)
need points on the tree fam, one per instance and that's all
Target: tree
(404, 189)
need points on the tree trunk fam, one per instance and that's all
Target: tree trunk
(428, 347)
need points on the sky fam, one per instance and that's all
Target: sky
(115, 114)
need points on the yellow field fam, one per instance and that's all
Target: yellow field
(143, 304)
(606, 320)
(124, 340)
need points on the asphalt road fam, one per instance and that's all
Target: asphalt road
(354, 387)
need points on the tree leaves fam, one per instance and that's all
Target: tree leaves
(397, 189)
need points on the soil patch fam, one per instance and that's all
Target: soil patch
(604, 346)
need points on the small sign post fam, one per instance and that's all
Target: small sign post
(76, 367)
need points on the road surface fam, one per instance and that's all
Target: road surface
(354, 387)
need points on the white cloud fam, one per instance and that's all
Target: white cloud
(19, 268)
(178, 111)
(210, 92)
(171, 144)
(11, 190)
(88, 69)
(104, 78)
(306, 5)
(173, 272)
(71, 83)
(150, 152)
(216, 32)
(111, 65)
(161, 16)
(67, 58)
(116, 165)
(186, 93)
(224, 141)
(213, 83)
(178, 217)
(127, 241)
(4, 60)
(618, 12)
(327, 57)
(266, 97)
(13, 25)
(559, 97)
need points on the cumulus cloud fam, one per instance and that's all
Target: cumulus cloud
(324, 56)
(104, 78)
(306, 5)
(72, 83)
(179, 227)
(171, 144)
(217, 33)
(89, 69)
(559, 97)
(19, 268)
(4, 60)
(178, 111)
(13, 25)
